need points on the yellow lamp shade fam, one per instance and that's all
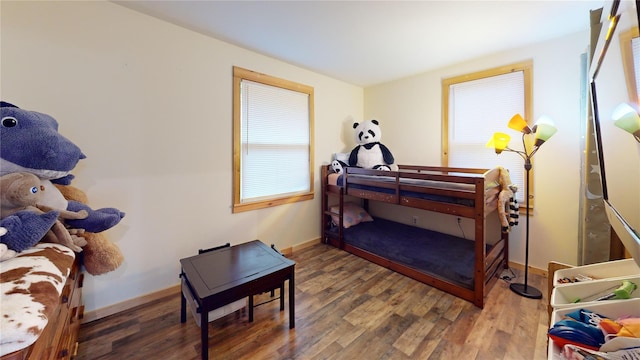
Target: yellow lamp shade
(517, 123)
(626, 118)
(544, 130)
(499, 142)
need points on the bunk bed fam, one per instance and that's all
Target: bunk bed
(462, 267)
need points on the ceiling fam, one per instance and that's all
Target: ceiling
(371, 42)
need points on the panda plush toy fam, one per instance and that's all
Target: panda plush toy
(370, 153)
(338, 166)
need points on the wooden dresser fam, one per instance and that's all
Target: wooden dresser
(59, 340)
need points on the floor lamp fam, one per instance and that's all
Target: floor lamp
(543, 130)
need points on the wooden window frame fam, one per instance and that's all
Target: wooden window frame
(628, 63)
(240, 74)
(527, 68)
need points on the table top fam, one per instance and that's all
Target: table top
(216, 271)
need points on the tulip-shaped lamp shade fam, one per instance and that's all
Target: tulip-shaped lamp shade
(626, 118)
(517, 123)
(544, 130)
(499, 142)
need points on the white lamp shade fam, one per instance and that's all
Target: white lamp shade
(544, 129)
(625, 117)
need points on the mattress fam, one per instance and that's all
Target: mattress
(441, 255)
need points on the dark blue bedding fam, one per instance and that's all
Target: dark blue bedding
(413, 194)
(438, 254)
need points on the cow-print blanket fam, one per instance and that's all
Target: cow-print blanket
(31, 284)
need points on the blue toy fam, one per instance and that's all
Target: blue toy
(30, 142)
(581, 328)
(25, 229)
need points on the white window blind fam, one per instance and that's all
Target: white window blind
(275, 142)
(479, 108)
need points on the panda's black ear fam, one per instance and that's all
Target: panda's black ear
(355, 125)
(375, 122)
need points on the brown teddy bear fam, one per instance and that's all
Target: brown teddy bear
(21, 191)
(100, 255)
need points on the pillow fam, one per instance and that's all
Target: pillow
(352, 215)
(344, 157)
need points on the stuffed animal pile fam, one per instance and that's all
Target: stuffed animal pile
(34, 156)
(369, 153)
(22, 191)
(507, 203)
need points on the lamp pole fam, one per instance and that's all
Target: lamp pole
(519, 288)
(543, 130)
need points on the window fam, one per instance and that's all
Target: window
(272, 141)
(630, 48)
(479, 104)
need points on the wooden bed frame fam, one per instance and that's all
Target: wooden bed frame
(487, 264)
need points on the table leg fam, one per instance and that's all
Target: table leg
(250, 308)
(183, 305)
(292, 290)
(204, 332)
(282, 296)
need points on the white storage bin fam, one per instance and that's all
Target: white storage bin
(602, 270)
(610, 309)
(564, 296)
(213, 314)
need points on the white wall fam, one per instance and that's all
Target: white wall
(150, 104)
(410, 114)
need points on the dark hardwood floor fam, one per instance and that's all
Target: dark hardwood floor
(346, 308)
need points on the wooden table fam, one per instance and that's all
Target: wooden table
(220, 277)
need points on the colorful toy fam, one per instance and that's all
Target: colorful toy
(625, 327)
(614, 293)
(581, 328)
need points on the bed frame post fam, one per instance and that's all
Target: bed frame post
(505, 240)
(341, 221)
(325, 204)
(480, 244)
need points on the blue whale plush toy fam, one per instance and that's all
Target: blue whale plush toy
(30, 142)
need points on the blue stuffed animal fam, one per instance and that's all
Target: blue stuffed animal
(30, 142)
